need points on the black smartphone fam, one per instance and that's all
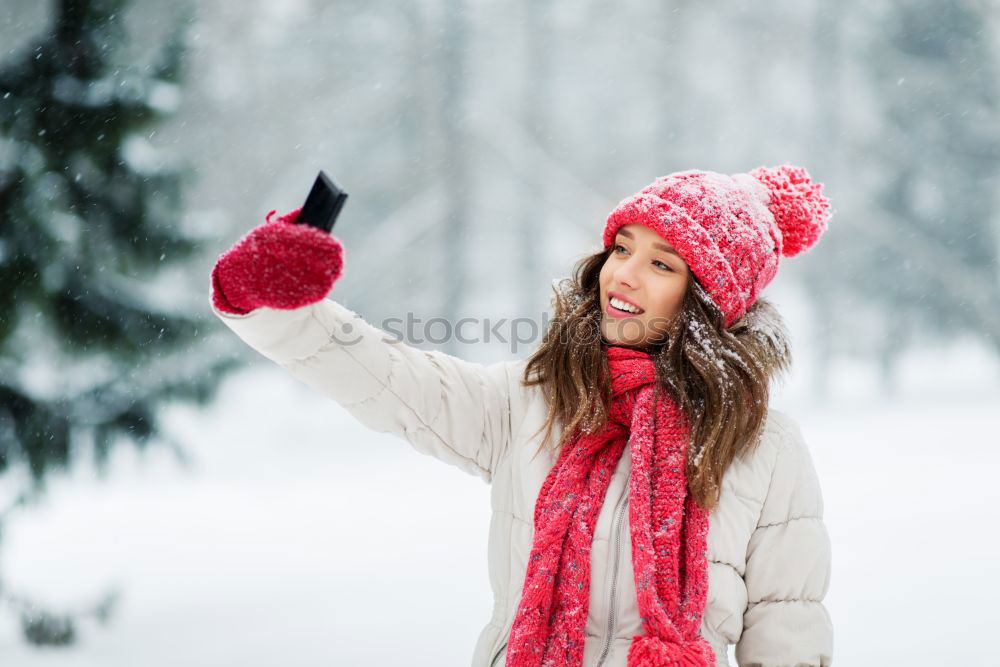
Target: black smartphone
(323, 204)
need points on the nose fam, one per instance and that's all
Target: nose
(626, 273)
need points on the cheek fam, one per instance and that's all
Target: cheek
(668, 297)
(605, 275)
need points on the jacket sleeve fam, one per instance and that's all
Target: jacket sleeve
(456, 411)
(788, 567)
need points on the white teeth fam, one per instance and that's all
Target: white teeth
(621, 305)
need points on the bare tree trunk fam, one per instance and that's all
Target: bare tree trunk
(456, 164)
(827, 155)
(531, 227)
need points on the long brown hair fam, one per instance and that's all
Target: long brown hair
(719, 377)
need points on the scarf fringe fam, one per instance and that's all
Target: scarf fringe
(650, 651)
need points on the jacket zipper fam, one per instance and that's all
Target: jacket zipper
(493, 662)
(620, 510)
(614, 580)
(619, 517)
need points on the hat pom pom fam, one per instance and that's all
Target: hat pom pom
(798, 205)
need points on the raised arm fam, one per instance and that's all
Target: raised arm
(788, 567)
(269, 289)
(454, 410)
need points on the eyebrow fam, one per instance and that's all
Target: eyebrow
(658, 246)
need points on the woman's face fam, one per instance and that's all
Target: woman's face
(644, 271)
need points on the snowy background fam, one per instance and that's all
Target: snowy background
(296, 537)
(282, 532)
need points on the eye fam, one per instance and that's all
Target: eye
(619, 245)
(663, 264)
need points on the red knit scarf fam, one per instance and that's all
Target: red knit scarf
(669, 533)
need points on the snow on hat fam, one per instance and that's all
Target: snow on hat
(730, 229)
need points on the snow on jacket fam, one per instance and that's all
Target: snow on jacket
(768, 548)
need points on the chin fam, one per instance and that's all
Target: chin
(608, 340)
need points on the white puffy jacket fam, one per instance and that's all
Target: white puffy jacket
(768, 548)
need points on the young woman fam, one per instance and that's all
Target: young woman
(649, 508)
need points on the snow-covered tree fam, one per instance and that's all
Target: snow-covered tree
(931, 245)
(91, 343)
(904, 128)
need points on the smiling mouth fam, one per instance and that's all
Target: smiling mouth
(624, 307)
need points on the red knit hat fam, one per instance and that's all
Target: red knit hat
(730, 229)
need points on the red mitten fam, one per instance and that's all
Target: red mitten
(279, 264)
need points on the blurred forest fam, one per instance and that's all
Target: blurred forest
(481, 143)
